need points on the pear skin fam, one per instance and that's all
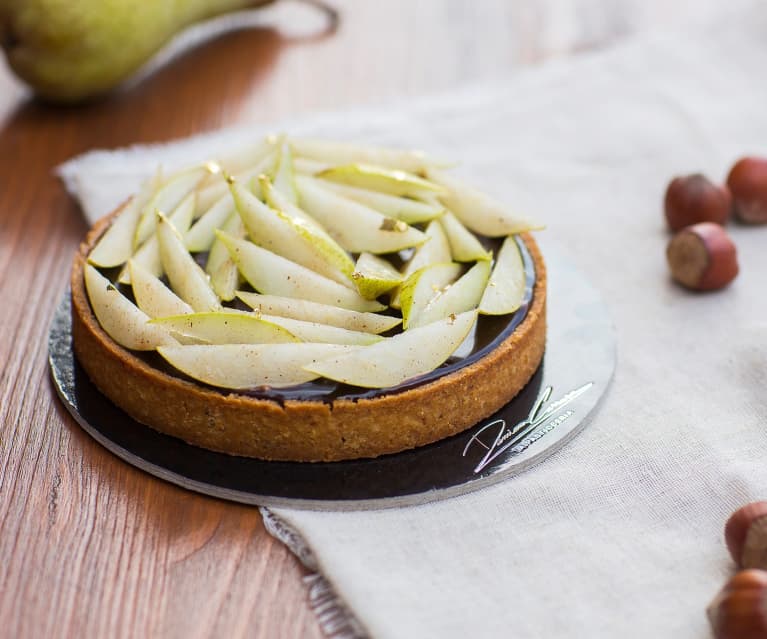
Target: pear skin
(71, 51)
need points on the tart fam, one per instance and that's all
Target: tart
(322, 419)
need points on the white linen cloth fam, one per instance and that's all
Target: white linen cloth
(620, 533)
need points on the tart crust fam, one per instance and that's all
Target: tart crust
(296, 430)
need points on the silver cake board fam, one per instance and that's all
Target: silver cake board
(554, 407)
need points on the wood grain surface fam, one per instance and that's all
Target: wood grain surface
(89, 546)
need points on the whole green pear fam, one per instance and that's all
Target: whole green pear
(71, 50)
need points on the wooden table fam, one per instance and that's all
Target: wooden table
(89, 546)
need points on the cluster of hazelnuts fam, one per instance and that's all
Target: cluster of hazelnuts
(739, 611)
(701, 254)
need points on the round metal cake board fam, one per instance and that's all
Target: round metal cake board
(554, 407)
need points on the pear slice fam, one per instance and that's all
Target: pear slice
(167, 198)
(342, 153)
(435, 250)
(376, 178)
(323, 333)
(148, 254)
(280, 202)
(478, 211)
(152, 296)
(247, 156)
(272, 274)
(399, 358)
(211, 194)
(123, 321)
(306, 166)
(227, 328)
(291, 238)
(464, 245)
(508, 281)
(242, 366)
(186, 277)
(356, 227)
(423, 285)
(322, 313)
(284, 174)
(203, 232)
(224, 276)
(374, 276)
(116, 245)
(462, 295)
(403, 208)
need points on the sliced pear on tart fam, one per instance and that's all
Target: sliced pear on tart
(508, 281)
(167, 198)
(249, 366)
(202, 234)
(462, 295)
(122, 320)
(435, 250)
(187, 279)
(148, 254)
(464, 245)
(373, 276)
(323, 333)
(227, 328)
(478, 211)
(291, 238)
(211, 194)
(397, 359)
(402, 208)
(273, 274)
(116, 245)
(422, 286)
(284, 173)
(316, 312)
(376, 178)
(357, 228)
(336, 153)
(224, 276)
(152, 296)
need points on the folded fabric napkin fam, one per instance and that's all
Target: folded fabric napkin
(619, 533)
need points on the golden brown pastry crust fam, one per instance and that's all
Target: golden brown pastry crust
(307, 430)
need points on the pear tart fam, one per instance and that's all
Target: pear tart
(304, 300)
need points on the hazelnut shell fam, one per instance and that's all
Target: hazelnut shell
(694, 198)
(702, 257)
(746, 535)
(739, 611)
(747, 182)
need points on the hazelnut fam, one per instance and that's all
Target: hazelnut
(694, 198)
(748, 184)
(739, 611)
(746, 535)
(702, 257)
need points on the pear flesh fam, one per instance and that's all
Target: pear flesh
(224, 276)
(392, 181)
(464, 245)
(186, 276)
(356, 227)
(248, 366)
(508, 281)
(322, 313)
(227, 328)
(422, 286)
(461, 296)
(122, 320)
(373, 276)
(399, 358)
(323, 333)
(116, 245)
(339, 153)
(273, 274)
(152, 296)
(478, 211)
